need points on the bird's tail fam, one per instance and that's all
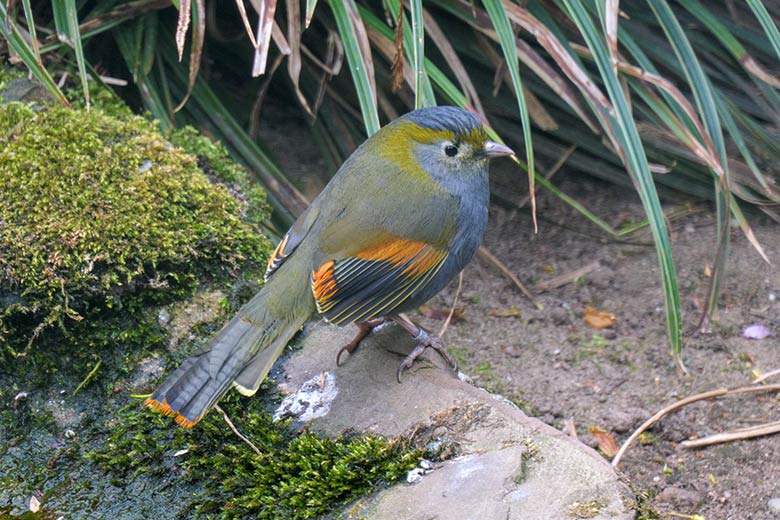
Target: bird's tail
(240, 354)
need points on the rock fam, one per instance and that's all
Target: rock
(774, 504)
(601, 277)
(680, 499)
(559, 315)
(503, 465)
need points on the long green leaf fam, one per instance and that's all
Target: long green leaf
(702, 93)
(366, 96)
(506, 36)
(418, 30)
(636, 162)
(67, 22)
(311, 5)
(767, 23)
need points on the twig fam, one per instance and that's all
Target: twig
(452, 309)
(720, 392)
(565, 278)
(736, 435)
(767, 376)
(88, 378)
(491, 259)
(235, 430)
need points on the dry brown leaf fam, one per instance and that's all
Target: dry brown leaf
(607, 444)
(441, 314)
(196, 49)
(182, 26)
(265, 23)
(511, 312)
(597, 319)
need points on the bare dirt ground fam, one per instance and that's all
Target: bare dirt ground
(558, 369)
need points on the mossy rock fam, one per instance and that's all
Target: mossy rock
(101, 215)
(107, 226)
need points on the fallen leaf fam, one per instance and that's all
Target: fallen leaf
(548, 268)
(512, 312)
(755, 331)
(606, 441)
(596, 319)
(441, 314)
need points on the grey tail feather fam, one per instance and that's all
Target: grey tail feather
(245, 348)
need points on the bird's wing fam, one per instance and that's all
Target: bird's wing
(292, 239)
(375, 280)
(379, 251)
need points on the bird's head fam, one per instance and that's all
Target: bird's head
(444, 141)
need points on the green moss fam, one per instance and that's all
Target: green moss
(299, 475)
(213, 159)
(102, 215)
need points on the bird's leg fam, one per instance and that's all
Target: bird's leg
(424, 341)
(364, 329)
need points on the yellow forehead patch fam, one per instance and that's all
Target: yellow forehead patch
(397, 144)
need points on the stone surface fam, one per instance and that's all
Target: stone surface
(504, 464)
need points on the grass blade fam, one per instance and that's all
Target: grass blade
(729, 41)
(767, 23)
(702, 92)
(636, 162)
(361, 67)
(311, 5)
(418, 52)
(506, 36)
(67, 23)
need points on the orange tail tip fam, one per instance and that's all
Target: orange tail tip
(163, 408)
(183, 421)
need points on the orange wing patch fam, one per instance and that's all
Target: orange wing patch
(323, 283)
(277, 258)
(165, 409)
(375, 281)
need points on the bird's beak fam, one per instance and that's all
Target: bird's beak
(493, 149)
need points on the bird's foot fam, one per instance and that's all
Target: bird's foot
(426, 341)
(364, 329)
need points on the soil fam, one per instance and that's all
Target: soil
(560, 370)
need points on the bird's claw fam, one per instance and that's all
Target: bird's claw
(426, 341)
(365, 329)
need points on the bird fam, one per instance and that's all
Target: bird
(401, 217)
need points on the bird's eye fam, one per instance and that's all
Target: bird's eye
(451, 150)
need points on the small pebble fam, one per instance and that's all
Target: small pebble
(680, 498)
(774, 504)
(559, 316)
(69, 434)
(415, 475)
(163, 317)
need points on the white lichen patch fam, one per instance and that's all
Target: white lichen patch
(311, 401)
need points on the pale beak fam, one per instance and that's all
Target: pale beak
(493, 149)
